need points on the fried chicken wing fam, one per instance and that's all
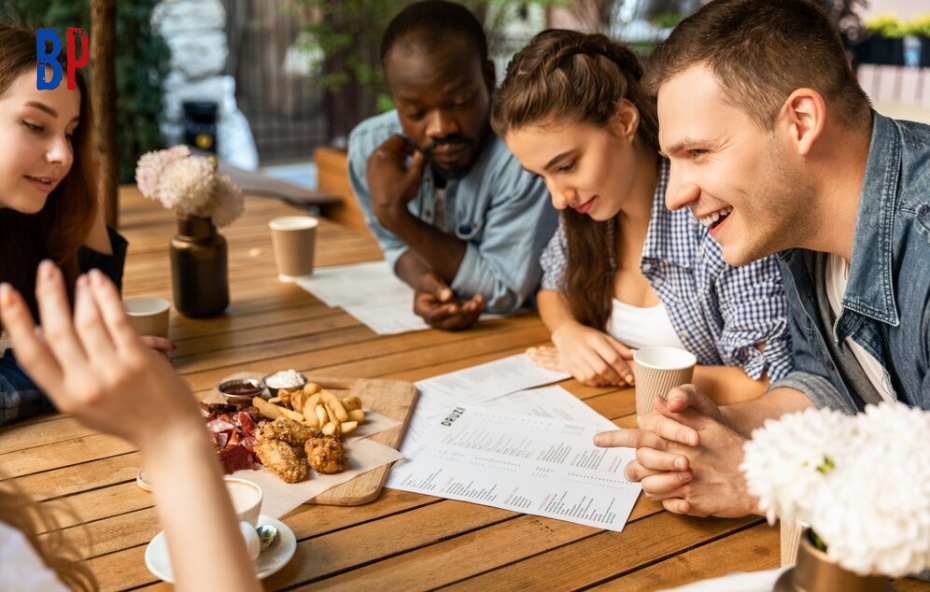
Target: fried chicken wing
(286, 430)
(326, 455)
(281, 458)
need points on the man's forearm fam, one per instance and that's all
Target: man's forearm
(411, 269)
(743, 418)
(442, 253)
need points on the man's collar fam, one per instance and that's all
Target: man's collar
(870, 291)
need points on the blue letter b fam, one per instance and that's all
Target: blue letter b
(48, 59)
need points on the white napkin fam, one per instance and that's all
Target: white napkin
(753, 581)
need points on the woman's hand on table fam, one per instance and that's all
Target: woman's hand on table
(158, 343)
(593, 357)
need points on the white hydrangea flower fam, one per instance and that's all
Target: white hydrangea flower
(228, 204)
(785, 459)
(876, 518)
(151, 165)
(870, 504)
(186, 186)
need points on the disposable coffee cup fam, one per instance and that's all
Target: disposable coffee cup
(293, 238)
(246, 498)
(790, 538)
(149, 316)
(658, 370)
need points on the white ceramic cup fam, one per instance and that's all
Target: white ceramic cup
(657, 370)
(294, 238)
(148, 315)
(246, 498)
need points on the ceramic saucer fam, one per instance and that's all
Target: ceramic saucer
(269, 562)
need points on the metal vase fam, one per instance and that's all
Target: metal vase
(199, 274)
(816, 572)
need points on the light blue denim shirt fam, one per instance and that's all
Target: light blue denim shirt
(886, 306)
(500, 210)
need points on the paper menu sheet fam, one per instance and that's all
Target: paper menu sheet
(554, 402)
(484, 382)
(475, 386)
(371, 293)
(541, 466)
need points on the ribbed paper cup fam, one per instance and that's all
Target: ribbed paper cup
(790, 539)
(149, 316)
(293, 238)
(658, 370)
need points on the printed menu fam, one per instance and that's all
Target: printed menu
(534, 465)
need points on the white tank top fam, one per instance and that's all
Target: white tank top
(642, 327)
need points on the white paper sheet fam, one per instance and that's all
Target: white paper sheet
(553, 402)
(371, 293)
(535, 465)
(482, 383)
(358, 283)
(472, 386)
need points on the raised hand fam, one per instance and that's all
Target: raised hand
(394, 173)
(435, 301)
(95, 367)
(593, 357)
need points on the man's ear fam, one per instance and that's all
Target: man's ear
(490, 76)
(803, 117)
(626, 120)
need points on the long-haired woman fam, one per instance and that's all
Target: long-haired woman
(48, 208)
(622, 271)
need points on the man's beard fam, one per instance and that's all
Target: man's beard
(454, 173)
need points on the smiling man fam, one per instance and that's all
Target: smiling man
(456, 215)
(763, 120)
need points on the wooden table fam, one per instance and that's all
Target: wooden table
(401, 542)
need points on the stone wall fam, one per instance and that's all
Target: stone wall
(195, 30)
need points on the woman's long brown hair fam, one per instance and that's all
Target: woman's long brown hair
(56, 233)
(62, 226)
(568, 76)
(19, 510)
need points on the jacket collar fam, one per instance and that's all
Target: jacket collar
(870, 289)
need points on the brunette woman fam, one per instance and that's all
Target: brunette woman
(622, 271)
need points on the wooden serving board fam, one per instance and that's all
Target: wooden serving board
(391, 398)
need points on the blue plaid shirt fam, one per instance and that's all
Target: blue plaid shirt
(719, 312)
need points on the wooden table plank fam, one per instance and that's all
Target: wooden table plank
(402, 541)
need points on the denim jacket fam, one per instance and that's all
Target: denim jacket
(500, 210)
(886, 306)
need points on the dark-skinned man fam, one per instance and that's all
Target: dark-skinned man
(456, 216)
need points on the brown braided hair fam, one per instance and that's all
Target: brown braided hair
(577, 78)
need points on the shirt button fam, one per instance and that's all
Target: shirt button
(684, 334)
(829, 365)
(647, 266)
(658, 282)
(922, 210)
